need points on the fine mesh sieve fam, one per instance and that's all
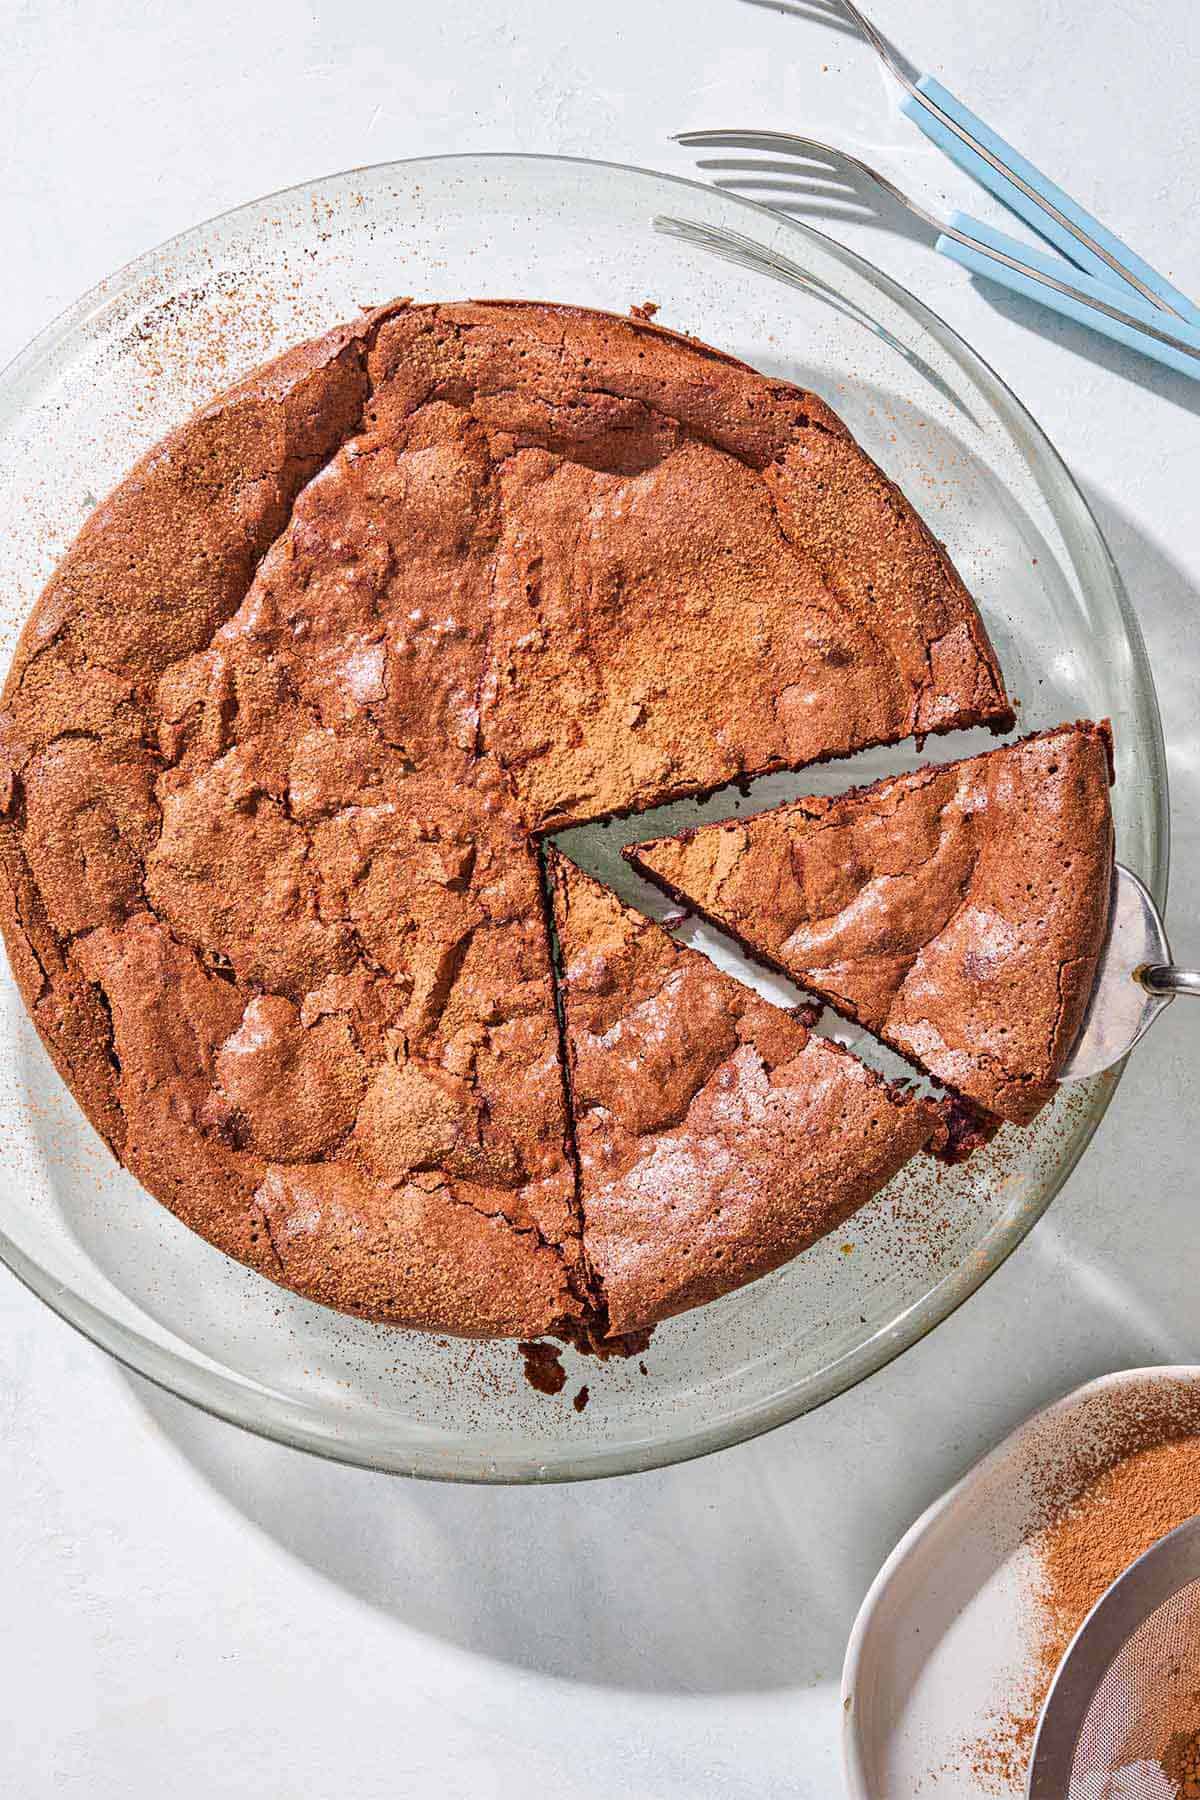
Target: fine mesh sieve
(1122, 1718)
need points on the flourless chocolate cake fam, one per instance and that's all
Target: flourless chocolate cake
(958, 912)
(283, 729)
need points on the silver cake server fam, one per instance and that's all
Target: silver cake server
(1136, 979)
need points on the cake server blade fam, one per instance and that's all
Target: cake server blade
(1136, 979)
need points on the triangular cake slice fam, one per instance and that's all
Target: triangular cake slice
(957, 912)
(717, 1137)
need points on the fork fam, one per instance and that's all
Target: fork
(964, 137)
(1115, 311)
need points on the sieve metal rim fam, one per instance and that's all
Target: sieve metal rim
(1122, 1609)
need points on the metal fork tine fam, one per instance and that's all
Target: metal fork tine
(879, 45)
(775, 165)
(823, 184)
(813, 149)
(733, 246)
(759, 140)
(738, 134)
(849, 205)
(819, 12)
(1003, 253)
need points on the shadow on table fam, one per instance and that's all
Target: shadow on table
(1166, 383)
(743, 1572)
(1167, 605)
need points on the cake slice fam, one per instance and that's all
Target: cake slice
(958, 912)
(716, 1136)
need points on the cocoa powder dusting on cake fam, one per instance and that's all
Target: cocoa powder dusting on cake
(281, 733)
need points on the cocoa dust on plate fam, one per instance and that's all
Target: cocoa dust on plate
(1134, 1479)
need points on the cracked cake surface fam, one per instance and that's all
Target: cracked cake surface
(958, 912)
(717, 1136)
(282, 729)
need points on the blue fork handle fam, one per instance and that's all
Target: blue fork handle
(1092, 294)
(1032, 210)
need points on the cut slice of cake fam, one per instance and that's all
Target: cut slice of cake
(957, 912)
(717, 1137)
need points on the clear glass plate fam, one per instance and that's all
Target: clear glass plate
(128, 362)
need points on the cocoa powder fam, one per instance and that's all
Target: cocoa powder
(1132, 1476)
(1123, 1512)
(1181, 1763)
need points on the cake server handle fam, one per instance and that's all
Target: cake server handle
(1169, 979)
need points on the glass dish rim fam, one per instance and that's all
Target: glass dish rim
(240, 1401)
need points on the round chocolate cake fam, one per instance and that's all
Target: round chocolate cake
(284, 733)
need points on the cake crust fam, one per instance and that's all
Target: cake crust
(958, 912)
(278, 732)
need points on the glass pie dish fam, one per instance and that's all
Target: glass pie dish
(131, 359)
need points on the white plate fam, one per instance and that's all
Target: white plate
(943, 1637)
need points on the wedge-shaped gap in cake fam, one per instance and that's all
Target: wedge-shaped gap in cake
(717, 1136)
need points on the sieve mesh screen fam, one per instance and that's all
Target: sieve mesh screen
(1140, 1739)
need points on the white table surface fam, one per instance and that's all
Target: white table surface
(188, 1611)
